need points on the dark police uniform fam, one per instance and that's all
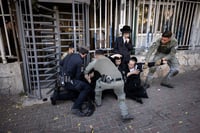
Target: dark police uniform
(72, 65)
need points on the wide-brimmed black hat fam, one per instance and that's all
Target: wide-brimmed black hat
(126, 29)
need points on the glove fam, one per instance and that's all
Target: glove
(145, 65)
(158, 62)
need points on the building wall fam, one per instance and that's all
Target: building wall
(11, 81)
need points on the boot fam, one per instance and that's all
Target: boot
(127, 117)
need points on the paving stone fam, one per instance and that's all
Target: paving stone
(165, 111)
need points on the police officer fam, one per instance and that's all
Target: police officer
(72, 65)
(111, 78)
(165, 50)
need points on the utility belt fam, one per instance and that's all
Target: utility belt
(68, 79)
(65, 79)
(109, 79)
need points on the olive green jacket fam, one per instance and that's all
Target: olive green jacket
(168, 49)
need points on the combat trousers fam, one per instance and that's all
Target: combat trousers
(118, 87)
(173, 65)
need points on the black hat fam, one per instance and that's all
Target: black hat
(83, 50)
(126, 29)
(134, 59)
(71, 45)
(99, 52)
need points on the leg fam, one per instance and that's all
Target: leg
(119, 91)
(98, 93)
(84, 90)
(152, 70)
(173, 65)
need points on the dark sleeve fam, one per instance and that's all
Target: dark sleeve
(78, 69)
(116, 46)
(129, 46)
(62, 62)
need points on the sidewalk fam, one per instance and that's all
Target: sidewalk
(166, 111)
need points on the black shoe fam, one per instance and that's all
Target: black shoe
(127, 117)
(53, 100)
(146, 86)
(78, 112)
(167, 85)
(139, 100)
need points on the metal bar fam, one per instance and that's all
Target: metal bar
(116, 20)
(166, 11)
(78, 27)
(45, 8)
(179, 27)
(142, 26)
(153, 20)
(106, 12)
(174, 16)
(190, 23)
(187, 33)
(111, 8)
(29, 40)
(35, 53)
(137, 23)
(133, 25)
(6, 32)
(161, 21)
(84, 19)
(183, 25)
(148, 24)
(74, 24)
(95, 26)
(3, 54)
(100, 17)
(124, 20)
(14, 33)
(87, 25)
(171, 10)
(129, 12)
(198, 24)
(157, 17)
(22, 42)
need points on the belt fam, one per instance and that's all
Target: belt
(117, 79)
(68, 79)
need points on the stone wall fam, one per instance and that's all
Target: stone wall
(11, 81)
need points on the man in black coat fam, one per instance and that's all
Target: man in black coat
(123, 44)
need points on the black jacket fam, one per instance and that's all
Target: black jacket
(122, 48)
(72, 65)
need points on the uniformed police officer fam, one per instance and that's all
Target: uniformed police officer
(165, 50)
(72, 65)
(111, 78)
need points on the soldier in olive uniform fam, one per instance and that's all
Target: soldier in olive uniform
(165, 50)
(111, 78)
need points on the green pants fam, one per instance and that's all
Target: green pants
(118, 87)
(172, 63)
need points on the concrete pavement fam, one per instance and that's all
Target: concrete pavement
(166, 111)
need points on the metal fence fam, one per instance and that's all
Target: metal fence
(9, 46)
